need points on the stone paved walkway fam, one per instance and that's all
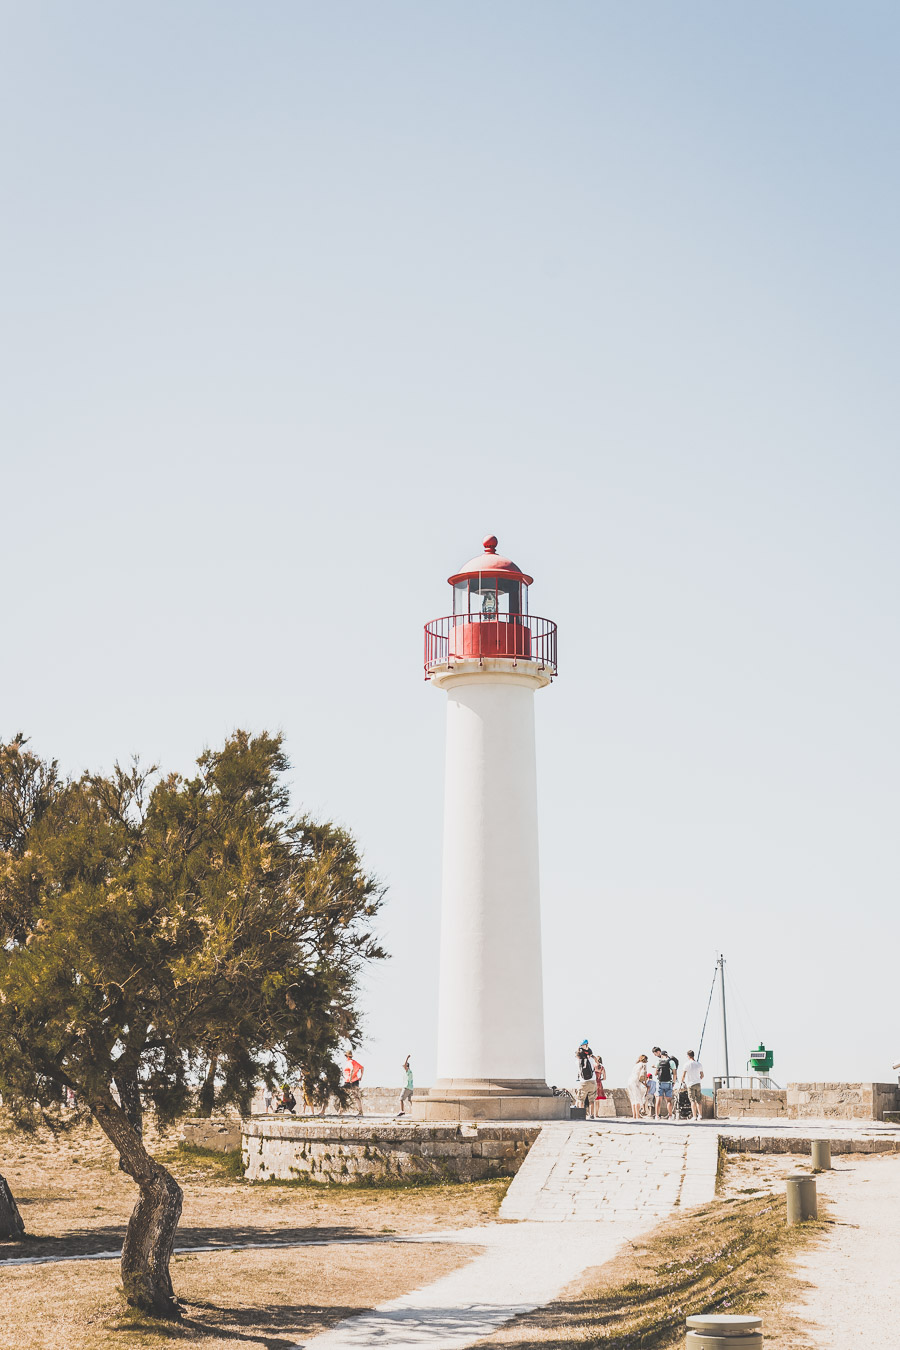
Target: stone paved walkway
(613, 1172)
(584, 1189)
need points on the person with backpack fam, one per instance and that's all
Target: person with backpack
(586, 1083)
(666, 1071)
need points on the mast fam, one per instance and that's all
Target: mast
(721, 964)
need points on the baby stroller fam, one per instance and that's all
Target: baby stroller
(683, 1105)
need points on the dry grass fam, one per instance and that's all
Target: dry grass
(75, 1202)
(729, 1256)
(232, 1298)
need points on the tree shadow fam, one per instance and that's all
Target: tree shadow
(86, 1242)
(277, 1326)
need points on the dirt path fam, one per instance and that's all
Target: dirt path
(854, 1284)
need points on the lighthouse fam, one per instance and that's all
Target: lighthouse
(490, 657)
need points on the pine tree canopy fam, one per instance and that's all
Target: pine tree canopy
(156, 929)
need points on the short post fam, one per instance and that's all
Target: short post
(724, 1331)
(801, 1198)
(821, 1155)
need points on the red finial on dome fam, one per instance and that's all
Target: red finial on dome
(490, 561)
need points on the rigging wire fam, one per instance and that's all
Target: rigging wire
(708, 1006)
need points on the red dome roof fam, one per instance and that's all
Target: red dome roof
(491, 561)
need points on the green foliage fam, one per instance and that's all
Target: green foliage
(154, 927)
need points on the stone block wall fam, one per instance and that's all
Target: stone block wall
(763, 1103)
(623, 1104)
(222, 1133)
(793, 1143)
(292, 1150)
(377, 1101)
(841, 1101)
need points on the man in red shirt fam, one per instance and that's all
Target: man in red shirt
(353, 1072)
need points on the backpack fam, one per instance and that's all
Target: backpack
(664, 1071)
(587, 1069)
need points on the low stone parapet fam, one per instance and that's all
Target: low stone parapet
(841, 1101)
(792, 1143)
(738, 1103)
(222, 1133)
(361, 1154)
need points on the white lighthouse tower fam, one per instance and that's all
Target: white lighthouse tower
(490, 656)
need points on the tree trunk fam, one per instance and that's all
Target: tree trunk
(150, 1237)
(126, 1081)
(206, 1098)
(11, 1226)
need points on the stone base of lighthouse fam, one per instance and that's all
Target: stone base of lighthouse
(490, 1099)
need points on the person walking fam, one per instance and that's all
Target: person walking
(599, 1095)
(637, 1086)
(651, 1088)
(691, 1077)
(407, 1094)
(586, 1082)
(666, 1070)
(353, 1074)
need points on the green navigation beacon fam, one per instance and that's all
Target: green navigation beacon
(761, 1060)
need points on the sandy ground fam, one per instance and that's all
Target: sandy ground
(854, 1274)
(231, 1298)
(74, 1200)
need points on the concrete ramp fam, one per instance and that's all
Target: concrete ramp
(587, 1171)
(584, 1189)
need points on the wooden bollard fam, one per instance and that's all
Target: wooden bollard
(724, 1331)
(821, 1155)
(801, 1198)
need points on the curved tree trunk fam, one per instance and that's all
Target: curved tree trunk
(129, 1089)
(150, 1237)
(11, 1226)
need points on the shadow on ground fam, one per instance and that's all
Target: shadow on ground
(283, 1323)
(96, 1241)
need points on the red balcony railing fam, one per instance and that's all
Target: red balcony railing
(473, 637)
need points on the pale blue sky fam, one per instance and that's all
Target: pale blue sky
(301, 300)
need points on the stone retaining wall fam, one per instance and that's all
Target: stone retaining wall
(736, 1103)
(292, 1150)
(784, 1143)
(841, 1101)
(222, 1133)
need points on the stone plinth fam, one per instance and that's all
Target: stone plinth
(369, 1154)
(841, 1101)
(489, 1107)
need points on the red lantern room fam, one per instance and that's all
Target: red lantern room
(490, 618)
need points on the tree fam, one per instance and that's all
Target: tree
(11, 1226)
(163, 932)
